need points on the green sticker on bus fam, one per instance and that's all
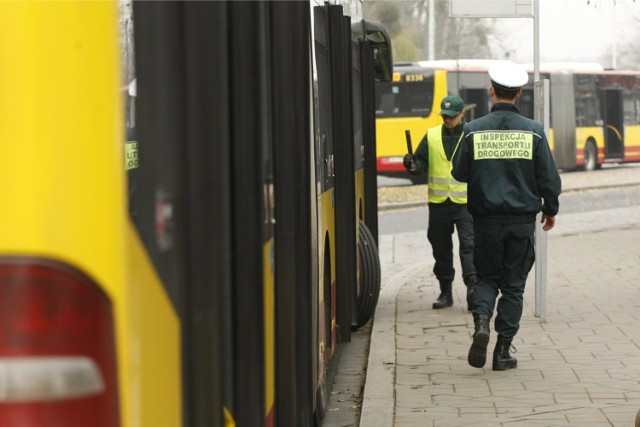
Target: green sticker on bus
(131, 155)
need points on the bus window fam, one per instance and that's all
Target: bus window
(525, 103)
(405, 99)
(381, 46)
(587, 106)
(476, 103)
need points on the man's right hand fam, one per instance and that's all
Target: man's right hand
(409, 162)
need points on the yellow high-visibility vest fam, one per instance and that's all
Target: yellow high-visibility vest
(441, 183)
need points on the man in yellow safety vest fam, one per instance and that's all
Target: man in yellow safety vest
(447, 201)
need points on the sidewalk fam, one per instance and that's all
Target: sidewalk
(580, 367)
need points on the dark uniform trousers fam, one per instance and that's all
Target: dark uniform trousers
(504, 255)
(442, 218)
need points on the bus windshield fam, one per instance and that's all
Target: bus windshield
(405, 99)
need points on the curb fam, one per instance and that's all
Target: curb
(379, 400)
(419, 204)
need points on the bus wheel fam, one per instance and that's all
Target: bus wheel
(590, 156)
(369, 277)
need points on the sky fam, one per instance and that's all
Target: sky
(573, 30)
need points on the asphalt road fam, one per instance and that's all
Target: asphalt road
(412, 219)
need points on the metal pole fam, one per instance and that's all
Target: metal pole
(536, 40)
(542, 115)
(541, 103)
(432, 30)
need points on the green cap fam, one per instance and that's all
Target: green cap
(451, 106)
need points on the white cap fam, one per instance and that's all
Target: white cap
(508, 74)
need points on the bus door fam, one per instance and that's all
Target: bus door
(612, 115)
(205, 200)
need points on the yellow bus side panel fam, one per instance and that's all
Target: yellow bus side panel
(632, 143)
(390, 135)
(149, 342)
(269, 328)
(360, 212)
(61, 141)
(390, 132)
(326, 227)
(61, 134)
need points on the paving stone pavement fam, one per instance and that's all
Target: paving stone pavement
(579, 366)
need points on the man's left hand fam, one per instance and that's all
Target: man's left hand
(548, 222)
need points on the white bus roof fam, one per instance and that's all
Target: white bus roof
(484, 64)
(460, 64)
(566, 66)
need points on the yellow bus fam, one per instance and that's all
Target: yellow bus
(411, 101)
(595, 113)
(214, 296)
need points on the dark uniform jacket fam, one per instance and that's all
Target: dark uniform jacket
(506, 161)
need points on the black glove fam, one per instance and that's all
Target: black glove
(409, 162)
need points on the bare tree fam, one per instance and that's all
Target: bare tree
(408, 24)
(626, 43)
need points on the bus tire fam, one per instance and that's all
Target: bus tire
(590, 156)
(370, 277)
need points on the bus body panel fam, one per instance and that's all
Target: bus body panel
(151, 342)
(360, 216)
(360, 197)
(62, 127)
(195, 302)
(632, 143)
(269, 330)
(326, 229)
(46, 149)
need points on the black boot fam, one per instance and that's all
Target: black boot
(478, 350)
(446, 298)
(502, 360)
(471, 283)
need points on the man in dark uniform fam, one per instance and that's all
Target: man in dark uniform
(511, 175)
(447, 200)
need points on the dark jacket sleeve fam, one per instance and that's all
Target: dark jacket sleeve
(547, 179)
(422, 156)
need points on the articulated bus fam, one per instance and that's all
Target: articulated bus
(218, 295)
(594, 113)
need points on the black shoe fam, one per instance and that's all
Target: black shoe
(502, 360)
(478, 350)
(443, 301)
